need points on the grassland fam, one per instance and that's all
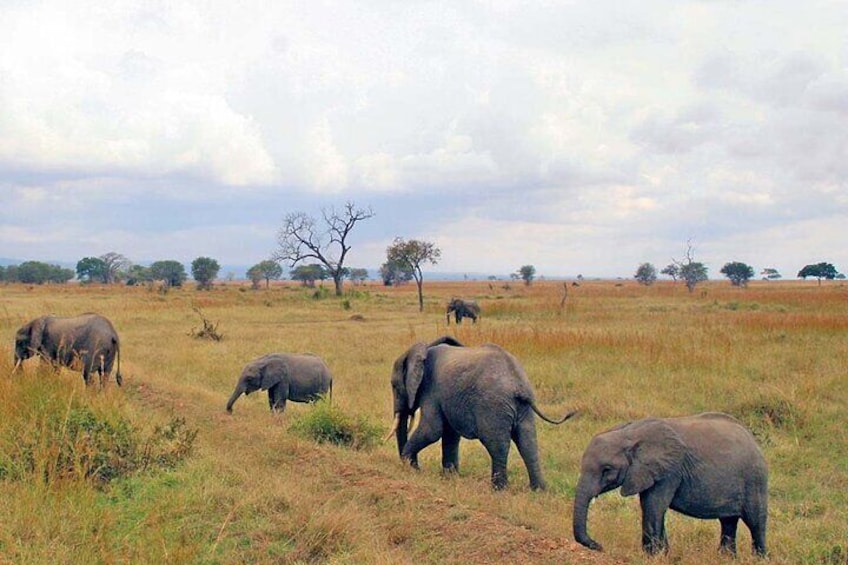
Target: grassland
(252, 491)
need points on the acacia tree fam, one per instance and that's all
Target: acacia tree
(308, 274)
(92, 269)
(646, 274)
(204, 270)
(739, 273)
(267, 270)
(527, 273)
(302, 237)
(672, 270)
(170, 271)
(820, 271)
(409, 256)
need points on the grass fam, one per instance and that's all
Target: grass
(259, 488)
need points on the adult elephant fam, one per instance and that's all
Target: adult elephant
(471, 392)
(88, 342)
(462, 309)
(299, 377)
(706, 466)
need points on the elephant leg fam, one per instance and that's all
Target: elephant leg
(498, 449)
(654, 503)
(450, 449)
(277, 396)
(757, 525)
(524, 436)
(428, 432)
(728, 534)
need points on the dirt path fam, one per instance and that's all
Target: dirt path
(407, 520)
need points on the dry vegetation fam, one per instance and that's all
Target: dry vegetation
(252, 491)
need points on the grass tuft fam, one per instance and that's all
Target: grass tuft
(328, 424)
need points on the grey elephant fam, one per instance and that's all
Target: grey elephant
(88, 342)
(706, 466)
(299, 377)
(462, 309)
(471, 392)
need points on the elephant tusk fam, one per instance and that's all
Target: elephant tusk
(17, 366)
(395, 425)
(416, 419)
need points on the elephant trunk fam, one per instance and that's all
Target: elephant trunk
(236, 393)
(401, 431)
(582, 498)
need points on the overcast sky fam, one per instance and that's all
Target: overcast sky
(580, 137)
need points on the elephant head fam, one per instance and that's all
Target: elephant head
(255, 376)
(408, 374)
(632, 456)
(28, 341)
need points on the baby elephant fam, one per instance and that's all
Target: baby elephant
(286, 376)
(706, 466)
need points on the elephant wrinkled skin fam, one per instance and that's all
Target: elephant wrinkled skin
(706, 466)
(299, 377)
(87, 342)
(471, 392)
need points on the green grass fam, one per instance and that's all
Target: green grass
(118, 476)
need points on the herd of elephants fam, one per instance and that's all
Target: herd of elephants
(707, 466)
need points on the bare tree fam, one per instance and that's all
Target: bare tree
(116, 266)
(303, 237)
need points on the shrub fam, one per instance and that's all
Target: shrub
(328, 424)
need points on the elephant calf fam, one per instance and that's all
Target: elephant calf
(471, 392)
(706, 466)
(88, 342)
(299, 377)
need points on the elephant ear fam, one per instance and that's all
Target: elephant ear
(36, 333)
(271, 374)
(414, 371)
(656, 452)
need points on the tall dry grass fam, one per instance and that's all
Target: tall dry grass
(774, 355)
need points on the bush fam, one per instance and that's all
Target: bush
(328, 424)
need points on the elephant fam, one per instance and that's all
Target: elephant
(462, 308)
(88, 341)
(471, 392)
(299, 377)
(706, 466)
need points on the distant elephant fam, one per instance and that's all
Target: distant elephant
(462, 309)
(471, 392)
(88, 342)
(706, 466)
(299, 377)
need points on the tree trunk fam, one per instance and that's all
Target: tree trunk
(339, 282)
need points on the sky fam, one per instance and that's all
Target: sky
(579, 137)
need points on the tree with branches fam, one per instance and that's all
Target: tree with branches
(409, 256)
(267, 270)
(692, 272)
(302, 237)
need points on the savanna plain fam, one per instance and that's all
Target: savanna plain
(157, 472)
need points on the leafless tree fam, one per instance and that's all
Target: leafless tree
(303, 237)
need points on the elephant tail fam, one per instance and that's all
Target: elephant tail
(549, 420)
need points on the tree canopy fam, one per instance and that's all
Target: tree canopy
(527, 273)
(739, 273)
(819, 271)
(204, 270)
(409, 256)
(171, 272)
(92, 269)
(302, 237)
(646, 274)
(308, 274)
(264, 270)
